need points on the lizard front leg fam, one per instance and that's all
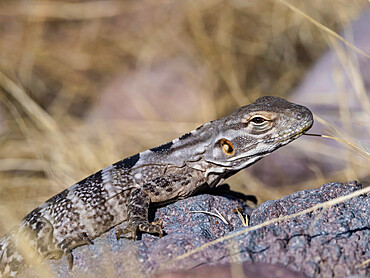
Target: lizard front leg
(159, 189)
(137, 215)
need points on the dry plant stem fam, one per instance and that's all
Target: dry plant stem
(324, 28)
(272, 221)
(364, 153)
(36, 113)
(244, 222)
(218, 214)
(363, 263)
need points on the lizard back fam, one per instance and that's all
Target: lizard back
(123, 191)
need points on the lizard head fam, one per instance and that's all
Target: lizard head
(254, 131)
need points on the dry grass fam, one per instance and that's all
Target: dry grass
(57, 57)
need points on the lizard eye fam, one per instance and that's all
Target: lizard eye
(227, 147)
(257, 120)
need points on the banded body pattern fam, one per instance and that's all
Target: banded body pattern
(123, 191)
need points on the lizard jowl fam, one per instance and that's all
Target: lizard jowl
(123, 191)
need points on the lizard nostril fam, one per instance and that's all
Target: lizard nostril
(299, 116)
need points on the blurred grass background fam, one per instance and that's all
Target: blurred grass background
(61, 63)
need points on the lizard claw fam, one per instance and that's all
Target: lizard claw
(85, 239)
(69, 256)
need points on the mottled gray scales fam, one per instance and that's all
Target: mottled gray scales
(124, 191)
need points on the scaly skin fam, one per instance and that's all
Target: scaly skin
(122, 192)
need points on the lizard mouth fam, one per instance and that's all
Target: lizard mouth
(290, 134)
(299, 131)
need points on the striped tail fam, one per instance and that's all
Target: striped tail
(11, 262)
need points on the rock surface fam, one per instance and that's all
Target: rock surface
(325, 243)
(248, 270)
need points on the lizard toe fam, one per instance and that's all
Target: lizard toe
(129, 229)
(152, 228)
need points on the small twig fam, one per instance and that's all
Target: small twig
(365, 153)
(363, 263)
(217, 214)
(245, 221)
(324, 28)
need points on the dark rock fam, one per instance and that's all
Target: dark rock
(325, 243)
(248, 270)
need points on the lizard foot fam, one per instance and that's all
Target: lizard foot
(152, 228)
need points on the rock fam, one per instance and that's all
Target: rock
(254, 270)
(324, 243)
